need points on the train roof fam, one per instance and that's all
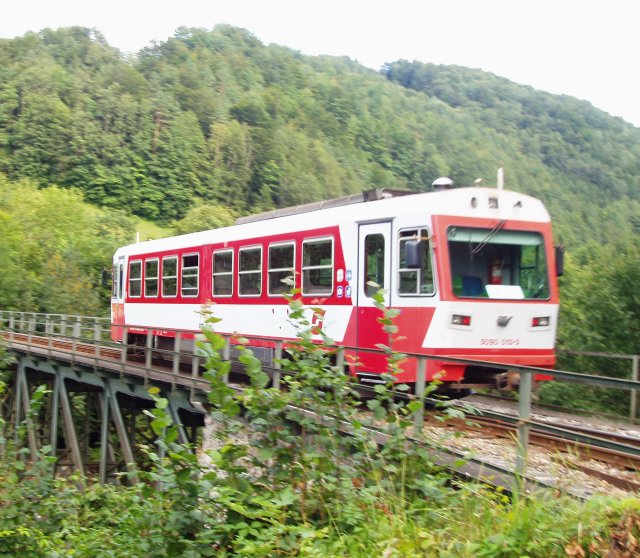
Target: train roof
(367, 206)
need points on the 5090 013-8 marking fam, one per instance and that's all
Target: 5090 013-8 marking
(495, 342)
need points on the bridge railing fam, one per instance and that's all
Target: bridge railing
(62, 325)
(633, 370)
(185, 359)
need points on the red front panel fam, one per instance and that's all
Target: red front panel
(117, 318)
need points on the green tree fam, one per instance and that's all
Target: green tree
(54, 249)
(204, 217)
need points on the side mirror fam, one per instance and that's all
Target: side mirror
(106, 278)
(559, 260)
(414, 254)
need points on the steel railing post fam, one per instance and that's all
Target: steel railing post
(195, 366)
(226, 355)
(74, 338)
(50, 338)
(97, 337)
(176, 359)
(524, 414)
(421, 385)
(123, 354)
(635, 376)
(148, 353)
(277, 365)
(29, 329)
(340, 359)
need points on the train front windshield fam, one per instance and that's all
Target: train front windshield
(499, 264)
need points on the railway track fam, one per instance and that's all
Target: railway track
(622, 451)
(582, 444)
(65, 345)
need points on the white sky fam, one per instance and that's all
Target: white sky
(589, 49)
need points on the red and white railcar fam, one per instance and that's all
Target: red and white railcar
(471, 270)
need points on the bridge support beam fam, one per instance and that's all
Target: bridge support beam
(55, 413)
(23, 411)
(121, 429)
(105, 447)
(84, 409)
(70, 432)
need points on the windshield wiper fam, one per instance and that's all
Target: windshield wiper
(489, 236)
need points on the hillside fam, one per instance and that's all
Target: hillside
(592, 156)
(218, 117)
(212, 124)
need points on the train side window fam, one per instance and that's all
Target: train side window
(415, 281)
(250, 271)
(135, 279)
(281, 266)
(151, 277)
(374, 263)
(170, 276)
(190, 275)
(223, 273)
(317, 266)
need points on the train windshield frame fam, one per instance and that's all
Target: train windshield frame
(496, 263)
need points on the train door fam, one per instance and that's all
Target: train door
(374, 273)
(117, 298)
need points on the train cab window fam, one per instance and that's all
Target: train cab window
(223, 273)
(317, 266)
(151, 277)
(374, 263)
(120, 280)
(250, 271)
(281, 267)
(169, 276)
(496, 263)
(411, 280)
(190, 275)
(114, 284)
(135, 279)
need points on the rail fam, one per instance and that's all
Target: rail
(88, 340)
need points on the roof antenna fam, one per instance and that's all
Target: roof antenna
(500, 184)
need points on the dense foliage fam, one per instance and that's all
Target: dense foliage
(600, 312)
(54, 248)
(220, 117)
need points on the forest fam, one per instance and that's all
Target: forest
(212, 124)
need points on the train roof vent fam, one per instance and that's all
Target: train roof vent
(442, 183)
(369, 195)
